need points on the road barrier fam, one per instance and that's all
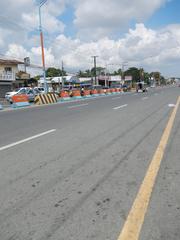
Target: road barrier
(20, 100)
(133, 89)
(76, 94)
(108, 91)
(87, 93)
(113, 91)
(101, 91)
(1, 107)
(45, 98)
(64, 95)
(94, 92)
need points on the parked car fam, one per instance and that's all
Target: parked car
(31, 94)
(9, 95)
(40, 89)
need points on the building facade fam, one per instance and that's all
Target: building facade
(8, 72)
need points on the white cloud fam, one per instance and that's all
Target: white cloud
(96, 22)
(153, 50)
(16, 51)
(98, 18)
(19, 19)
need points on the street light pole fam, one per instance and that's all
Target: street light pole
(124, 64)
(105, 76)
(95, 57)
(62, 75)
(42, 45)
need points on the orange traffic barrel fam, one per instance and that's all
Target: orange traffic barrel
(76, 93)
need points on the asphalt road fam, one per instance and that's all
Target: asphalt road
(72, 171)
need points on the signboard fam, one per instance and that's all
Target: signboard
(20, 98)
(128, 78)
(115, 79)
(27, 61)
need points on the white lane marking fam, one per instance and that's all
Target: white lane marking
(122, 106)
(80, 105)
(26, 139)
(116, 98)
(171, 105)
(144, 98)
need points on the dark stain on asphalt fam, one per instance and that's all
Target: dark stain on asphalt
(35, 184)
(59, 202)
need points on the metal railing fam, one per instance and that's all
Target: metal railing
(7, 76)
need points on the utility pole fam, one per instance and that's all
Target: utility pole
(95, 75)
(62, 70)
(124, 64)
(42, 2)
(26, 63)
(105, 76)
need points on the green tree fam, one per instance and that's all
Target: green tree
(147, 77)
(37, 78)
(55, 72)
(98, 71)
(86, 73)
(134, 72)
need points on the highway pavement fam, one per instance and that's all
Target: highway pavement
(72, 171)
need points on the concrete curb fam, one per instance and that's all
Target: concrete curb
(20, 104)
(65, 99)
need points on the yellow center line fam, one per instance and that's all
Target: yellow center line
(132, 227)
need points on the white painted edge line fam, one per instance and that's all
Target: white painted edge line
(144, 98)
(115, 98)
(26, 140)
(122, 106)
(171, 105)
(80, 105)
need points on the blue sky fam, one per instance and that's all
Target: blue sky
(167, 14)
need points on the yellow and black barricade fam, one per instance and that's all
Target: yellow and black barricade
(45, 98)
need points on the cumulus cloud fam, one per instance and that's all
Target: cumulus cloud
(19, 20)
(141, 46)
(96, 18)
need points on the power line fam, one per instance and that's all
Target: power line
(11, 22)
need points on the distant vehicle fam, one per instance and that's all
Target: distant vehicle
(141, 87)
(124, 87)
(116, 85)
(104, 88)
(40, 89)
(95, 87)
(31, 94)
